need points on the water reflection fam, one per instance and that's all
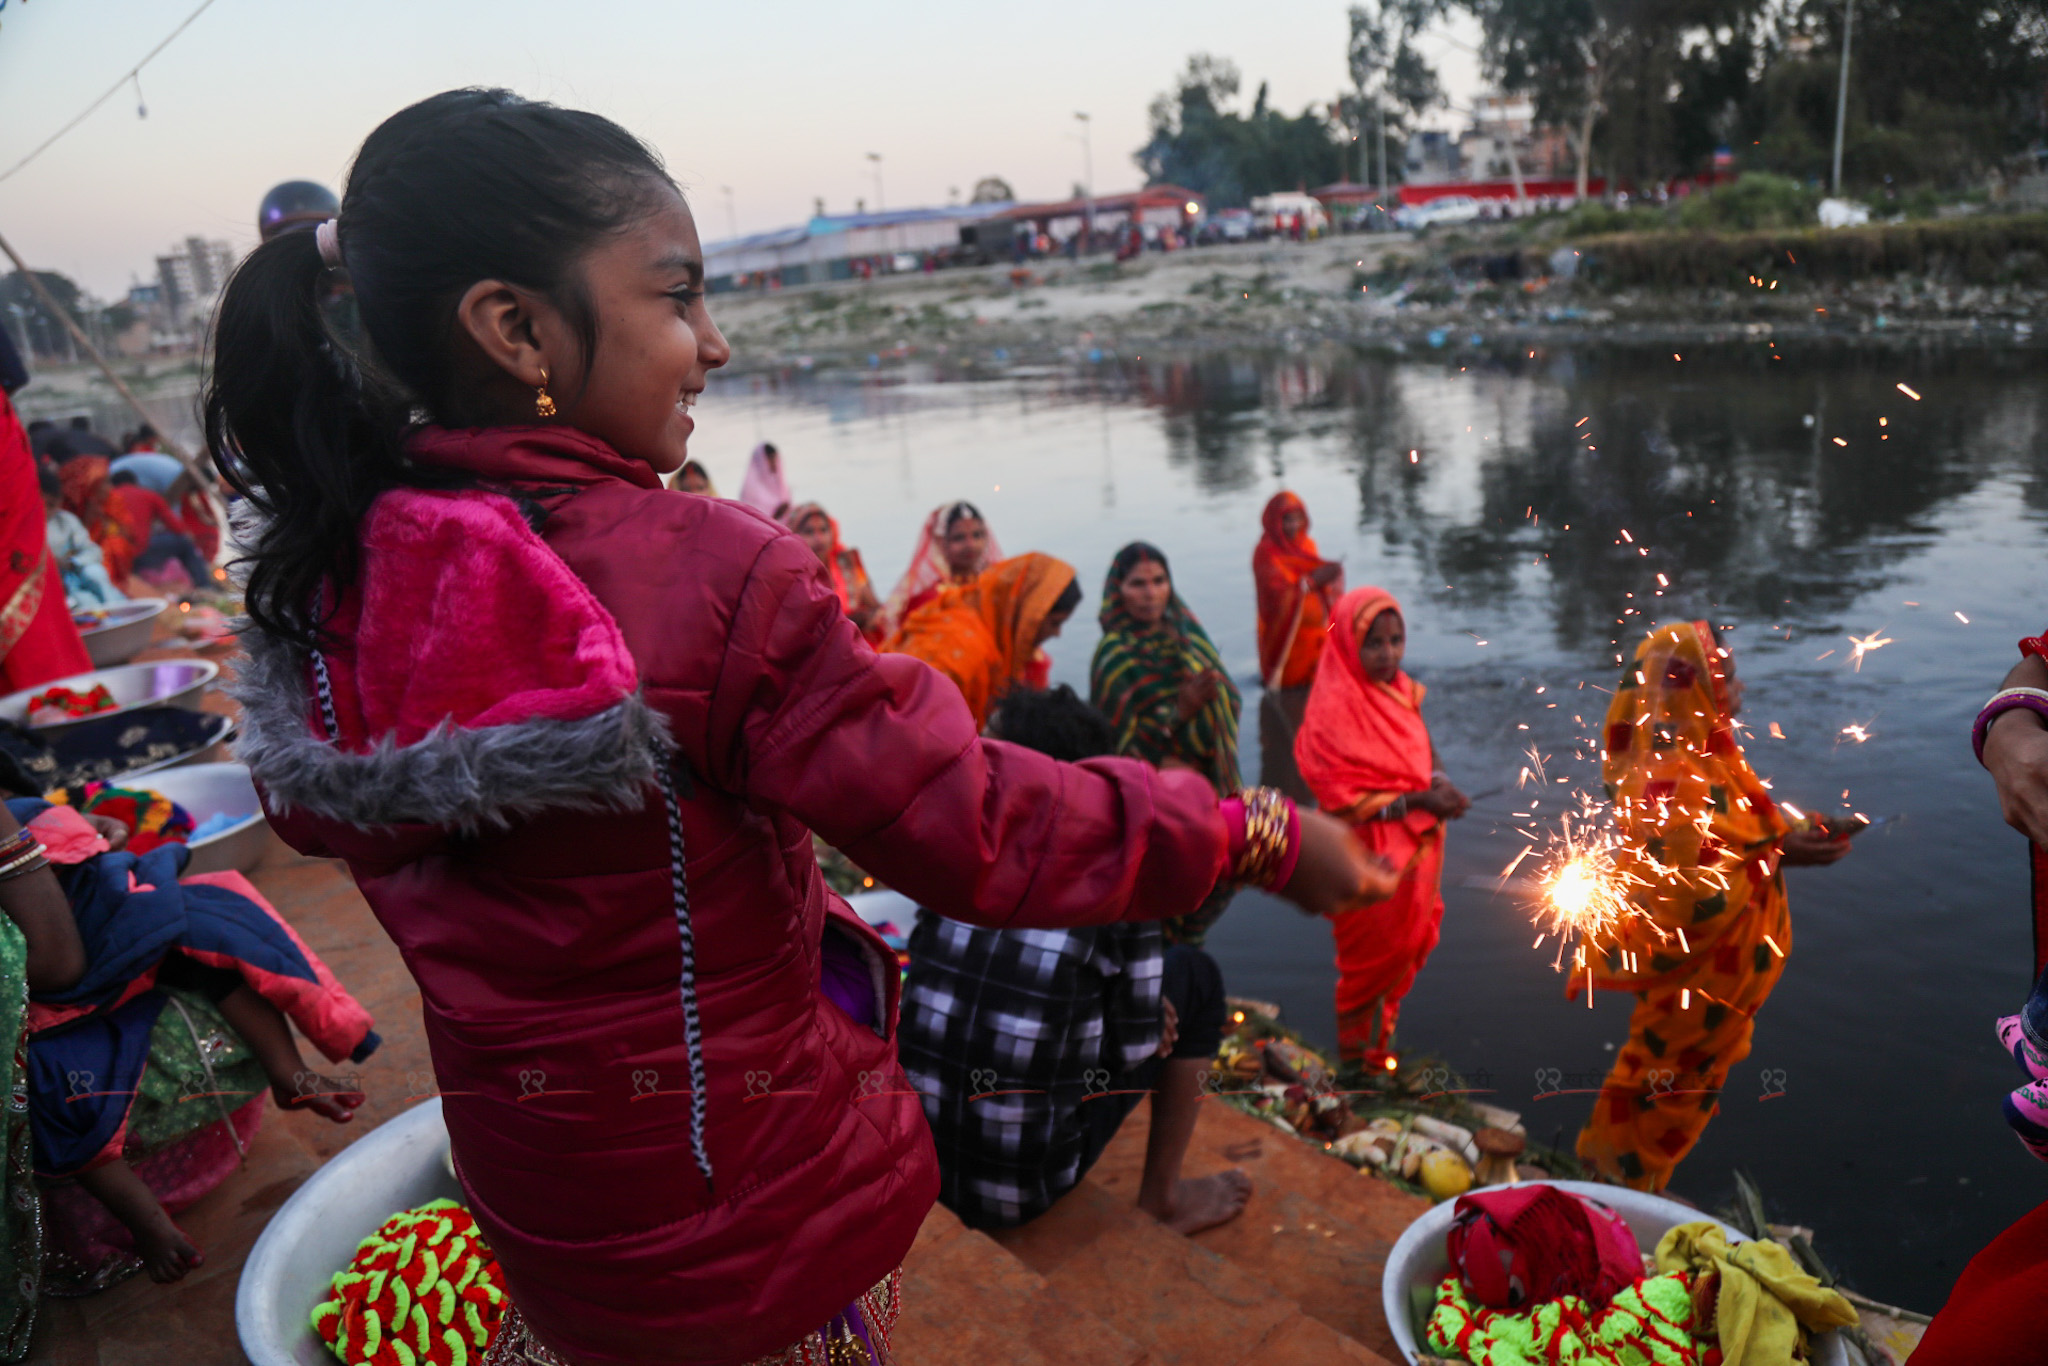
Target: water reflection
(1503, 532)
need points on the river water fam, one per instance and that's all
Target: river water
(1800, 496)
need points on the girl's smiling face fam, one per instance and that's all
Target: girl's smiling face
(1384, 646)
(656, 343)
(643, 290)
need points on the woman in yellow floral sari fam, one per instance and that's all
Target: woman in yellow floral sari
(1705, 847)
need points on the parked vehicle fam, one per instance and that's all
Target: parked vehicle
(1456, 208)
(1227, 225)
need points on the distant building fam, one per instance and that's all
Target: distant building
(1432, 154)
(838, 246)
(191, 278)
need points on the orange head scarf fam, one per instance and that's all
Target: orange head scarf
(85, 478)
(1295, 554)
(983, 634)
(1361, 739)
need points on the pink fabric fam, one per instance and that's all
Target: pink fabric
(548, 959)
(766, 487)
(67, 836)
(1525, 1244)
(928, 569)
(511, 634)
(332, 1020)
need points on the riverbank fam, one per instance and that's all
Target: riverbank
(1476, 287)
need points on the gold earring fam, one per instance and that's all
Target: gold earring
(543, 406)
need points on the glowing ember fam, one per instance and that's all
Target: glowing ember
(1863, 645)
(1857, 731)
(1909, 393)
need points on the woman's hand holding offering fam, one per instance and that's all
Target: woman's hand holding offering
(1334, 871)
(1197, 693)
(1815, 848)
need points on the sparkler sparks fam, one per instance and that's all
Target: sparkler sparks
(1863, 645)
(1908, 392)
(1859, 731)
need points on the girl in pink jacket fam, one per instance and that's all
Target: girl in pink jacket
(572, 732)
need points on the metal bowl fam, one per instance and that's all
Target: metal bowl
(125, 631)
(207, 790)
(168, 683)
(1419, 1260)
(401, 1164)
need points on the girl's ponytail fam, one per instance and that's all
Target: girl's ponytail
(299, 426)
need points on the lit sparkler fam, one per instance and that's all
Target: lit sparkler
(1863, 645)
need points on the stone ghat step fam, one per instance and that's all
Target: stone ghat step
(1315, 1232)
(1129, 1292)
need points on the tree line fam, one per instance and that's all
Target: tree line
(1940, 92)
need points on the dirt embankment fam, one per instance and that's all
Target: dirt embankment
(1477, 288)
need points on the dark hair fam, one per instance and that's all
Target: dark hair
(957, 513)
(81, 423)
(463, 186)
(1135, 554)
(1068, 600)
(48, 482)
(1052, 721)
(122, 478)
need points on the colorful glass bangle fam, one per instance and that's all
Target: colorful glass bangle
(23, 863)
(2034, 700)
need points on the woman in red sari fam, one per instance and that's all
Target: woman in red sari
(1366, 754)
(1296, 587)
(37, 640)
(88, 490)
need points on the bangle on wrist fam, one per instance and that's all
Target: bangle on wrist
(2034, 700)
(1265, 838)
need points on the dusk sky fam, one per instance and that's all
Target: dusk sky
(779, 99)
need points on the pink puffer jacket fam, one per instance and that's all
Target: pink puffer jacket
(680, 1149)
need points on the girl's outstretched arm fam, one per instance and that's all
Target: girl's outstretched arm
(880, 756)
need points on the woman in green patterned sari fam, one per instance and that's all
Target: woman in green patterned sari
(1159, 680)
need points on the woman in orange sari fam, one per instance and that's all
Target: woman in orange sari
(37, 640)
(1296, 586)
(843, 566)
(1704, 846)
(985, 635)
(1366, 754)
(87, 491)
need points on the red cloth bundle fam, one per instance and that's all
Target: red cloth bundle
(1530, 1243)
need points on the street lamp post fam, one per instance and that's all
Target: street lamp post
(876, 157)
(732, 213)
(1842, 90)
(1088, 180)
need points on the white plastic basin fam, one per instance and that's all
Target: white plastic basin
(124, 631)
(1419, 1257)
(207, 790)
(134, 687)
(399, 1165)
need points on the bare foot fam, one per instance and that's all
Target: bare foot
(324, 1096)
(1205, 1203)
(167, 1254)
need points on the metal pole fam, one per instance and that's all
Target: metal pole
(1842, 91)
(1088, 183)
(732, 213)
(880, 205)
(78, 337)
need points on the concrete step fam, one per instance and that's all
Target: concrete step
(1315, 1233)
(967, 1302)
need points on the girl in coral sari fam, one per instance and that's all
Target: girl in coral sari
(1705, 846)
(37, 640)
(1296, 587)
(986, 635)
(1366, 754)
(843, 566)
